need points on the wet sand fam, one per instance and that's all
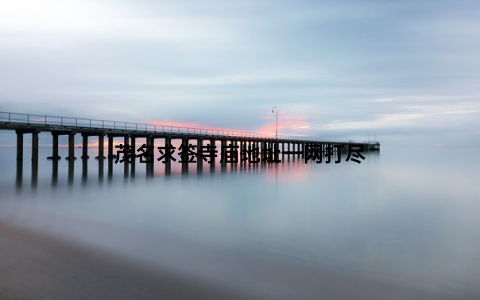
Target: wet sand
(35, 266)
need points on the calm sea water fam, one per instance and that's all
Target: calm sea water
(404, 218)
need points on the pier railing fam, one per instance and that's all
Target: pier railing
(81, 123)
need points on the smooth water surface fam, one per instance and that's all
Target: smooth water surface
(407, 218)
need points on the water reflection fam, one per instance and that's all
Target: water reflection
(126, 167)
(132, 168)
(110, 168)
(19, 177)
(100, 169)
(71, 171)
(159, 169)
(34, 173)
(150, 171)
(399, 222)
(54, 172)
(84, 170)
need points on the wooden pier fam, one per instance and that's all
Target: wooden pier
(129, 132)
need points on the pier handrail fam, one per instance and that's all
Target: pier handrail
(73, 122)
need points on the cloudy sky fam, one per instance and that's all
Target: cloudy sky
(406, 71)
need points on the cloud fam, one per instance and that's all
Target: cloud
(94, 19)
(383, 100)
(436, 115)
(338, 68)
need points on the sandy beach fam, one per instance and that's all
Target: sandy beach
(34, 266)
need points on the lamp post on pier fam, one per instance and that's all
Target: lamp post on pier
(275, 109)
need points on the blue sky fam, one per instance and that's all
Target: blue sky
(406, 71)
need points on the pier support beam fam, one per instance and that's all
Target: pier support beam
(150, 165)
(264, 151)
(35, 146)
(125, 162)
(71, 146)
(212, 154)
(185, 157)
(84, 146)
(199, 155)
(101, 147)
(168, 162)
(245, 151)
(222, 151)
(133, 146)
(54, 147)
(19, 145)
(260, 150)
(235, 143)
(275, 151)
(110, 146)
